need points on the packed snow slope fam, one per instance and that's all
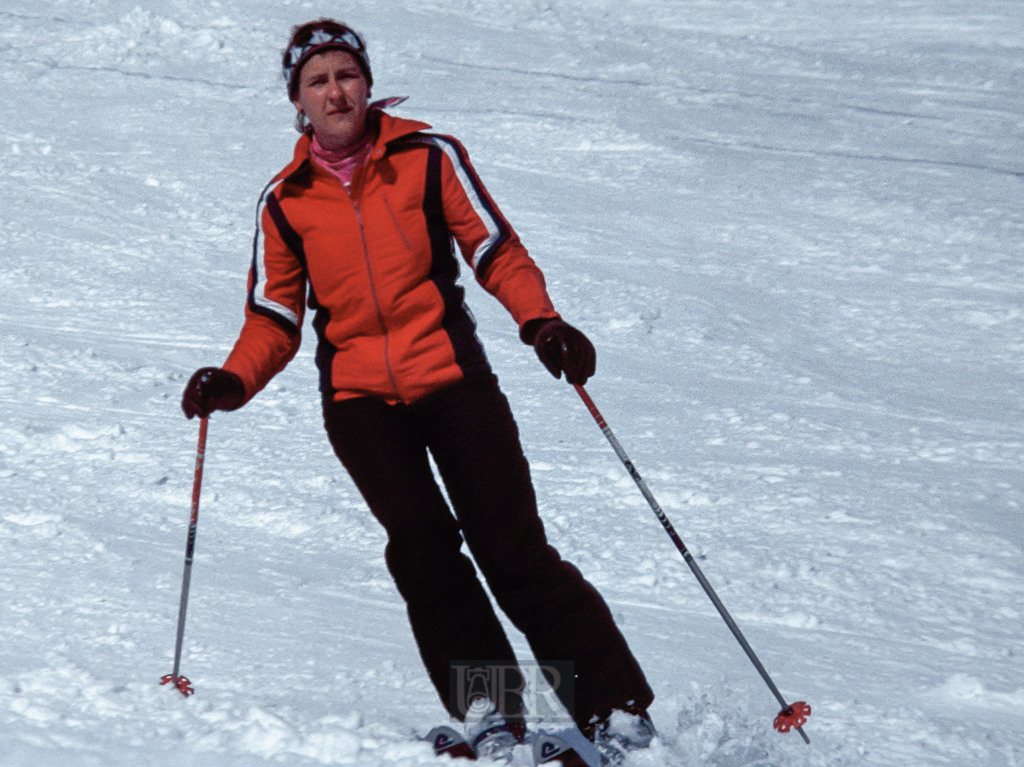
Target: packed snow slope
(794, 231)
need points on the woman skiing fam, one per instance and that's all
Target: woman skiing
(360, 225)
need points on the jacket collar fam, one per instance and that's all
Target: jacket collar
(388, 127)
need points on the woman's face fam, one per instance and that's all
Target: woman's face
(333, 94)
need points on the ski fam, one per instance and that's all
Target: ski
(547, 749)
(551, 749)
(447, 740)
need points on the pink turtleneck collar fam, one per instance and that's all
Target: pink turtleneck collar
(343, 164)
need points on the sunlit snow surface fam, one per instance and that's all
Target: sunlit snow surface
(795, 232)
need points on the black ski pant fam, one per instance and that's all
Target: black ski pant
(469, 430)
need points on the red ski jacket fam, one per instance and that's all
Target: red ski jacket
(376, 263)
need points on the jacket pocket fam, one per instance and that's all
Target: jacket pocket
(394, 220)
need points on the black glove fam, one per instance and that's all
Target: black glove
(562, 349)
(212, 389)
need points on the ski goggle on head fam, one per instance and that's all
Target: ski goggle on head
(316, 37)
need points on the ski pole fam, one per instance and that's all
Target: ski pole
(791, 716)
(182, 683)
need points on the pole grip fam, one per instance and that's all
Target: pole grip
(197, 480)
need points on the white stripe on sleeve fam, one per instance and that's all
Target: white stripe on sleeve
(259, 288)
(488, 219)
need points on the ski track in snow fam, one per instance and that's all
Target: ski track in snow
(794, 232)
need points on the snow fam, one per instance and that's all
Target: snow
(793, 231)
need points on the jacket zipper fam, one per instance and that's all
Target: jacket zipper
(373, 292)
